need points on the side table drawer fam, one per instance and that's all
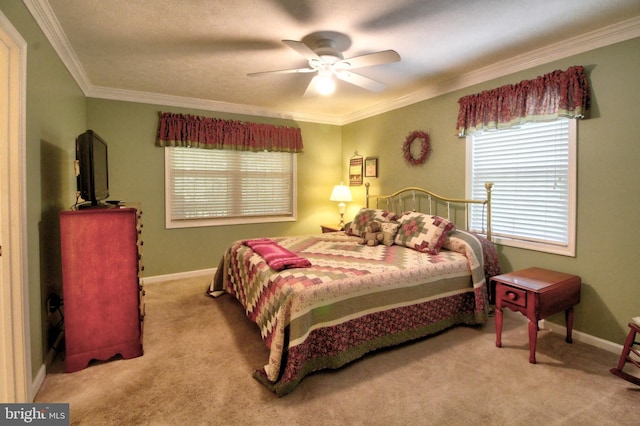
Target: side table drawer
(512, 295)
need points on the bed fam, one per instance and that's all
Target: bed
(322, 301)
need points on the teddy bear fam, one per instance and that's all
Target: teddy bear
(372, 235)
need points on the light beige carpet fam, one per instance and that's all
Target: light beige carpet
(200, 354)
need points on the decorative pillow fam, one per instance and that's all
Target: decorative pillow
(423, 232)
(364, 216)
(389, 230)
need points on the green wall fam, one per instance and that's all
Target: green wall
(136, 173)
(608, 179)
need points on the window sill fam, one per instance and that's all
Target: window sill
(195, 223)
(541, 247)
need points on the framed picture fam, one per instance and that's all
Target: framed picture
(355, 171)
(371, 167)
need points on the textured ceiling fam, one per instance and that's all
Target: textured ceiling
(198, 52)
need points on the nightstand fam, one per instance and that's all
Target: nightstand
(330, 228)
(536, 293)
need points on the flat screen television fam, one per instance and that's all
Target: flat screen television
(93, 168)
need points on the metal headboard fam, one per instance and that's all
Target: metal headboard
(410, 198)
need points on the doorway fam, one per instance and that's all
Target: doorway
(15, 358)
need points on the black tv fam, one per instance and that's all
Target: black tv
(93, 168)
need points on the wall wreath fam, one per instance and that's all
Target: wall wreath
(425, 148)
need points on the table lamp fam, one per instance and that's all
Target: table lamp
(342, 194)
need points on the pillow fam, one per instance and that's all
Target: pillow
(389, 230)
(365, 216)
(423, 232)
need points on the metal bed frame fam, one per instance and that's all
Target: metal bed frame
(410, 199)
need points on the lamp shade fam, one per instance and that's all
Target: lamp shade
(341, 193)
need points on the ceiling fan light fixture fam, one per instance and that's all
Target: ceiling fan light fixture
(323, 52)
(325, 84)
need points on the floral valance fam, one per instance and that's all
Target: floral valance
(212, 133)
(553, 95)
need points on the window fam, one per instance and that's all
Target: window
(533, 169)
(207, 187)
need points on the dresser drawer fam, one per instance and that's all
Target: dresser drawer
(512, 295)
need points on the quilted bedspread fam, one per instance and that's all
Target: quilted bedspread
(352, 300)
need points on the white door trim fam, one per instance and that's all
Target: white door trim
(15, 346)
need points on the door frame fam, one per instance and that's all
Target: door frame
(15, 345)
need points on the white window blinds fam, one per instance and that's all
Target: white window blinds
(227, 184)
(533, 171)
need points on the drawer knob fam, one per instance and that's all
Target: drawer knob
(511, 295)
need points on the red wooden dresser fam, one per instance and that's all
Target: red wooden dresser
(101, 284)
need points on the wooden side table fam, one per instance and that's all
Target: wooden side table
(330, 228)
(536, 293)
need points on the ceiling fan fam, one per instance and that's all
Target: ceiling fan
(326, 60)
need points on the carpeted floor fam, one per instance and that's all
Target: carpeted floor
(200, 354)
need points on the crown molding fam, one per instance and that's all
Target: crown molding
(622, 31)
(50, 26)
(203, 104)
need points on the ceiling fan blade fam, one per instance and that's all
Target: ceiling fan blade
(302, 49)
(369, 59)
(291, 71)
(360, 80)
(312, 89)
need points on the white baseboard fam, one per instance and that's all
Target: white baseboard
(579, 336)
(37, 382)
(42, 371)
(180, 275)
(576, 335)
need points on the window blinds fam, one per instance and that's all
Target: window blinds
(530, 170)
(226, 184)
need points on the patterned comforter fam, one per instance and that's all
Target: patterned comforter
(352, 299)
